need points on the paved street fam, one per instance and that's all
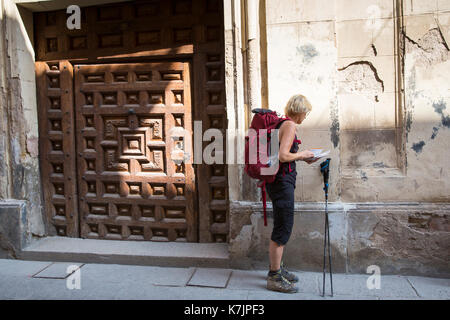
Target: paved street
(47, 280)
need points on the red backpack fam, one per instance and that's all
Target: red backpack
(268, 120)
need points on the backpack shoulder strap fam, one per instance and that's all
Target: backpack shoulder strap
(281, 120)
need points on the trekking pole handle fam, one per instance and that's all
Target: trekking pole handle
(325, 169)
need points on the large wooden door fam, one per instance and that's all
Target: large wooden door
(129, 186)
(130, 31)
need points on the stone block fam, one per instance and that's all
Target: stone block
(313, 138)
(427, 55)
(398, 239)
(304, 71)
(312, 184)
(30, 115)
(356, 111)
(228, 14)
(367, 148)
(29, 102)
(415, 7)
(443, 5)
(22, 66)
(317, 30)
(382, 67)
(311, 179)
(354, 38)
(378, 184)
(298, 194)
(319, 118)
(377, 76)
(383, 37)
(281, 49)
(385, 110)
(12, 228)
(301, 58)
(417, 26)
(289, 11)
(15, 30)
(304, 250)
(368, 76)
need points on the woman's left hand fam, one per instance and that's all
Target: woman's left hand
(311, 161)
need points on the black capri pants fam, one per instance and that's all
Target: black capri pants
(282, 195)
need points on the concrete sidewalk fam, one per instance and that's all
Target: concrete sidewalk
(46, 280)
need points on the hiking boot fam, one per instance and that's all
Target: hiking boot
(279, 283)
(287, 275)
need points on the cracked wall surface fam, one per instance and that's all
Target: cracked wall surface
(430, 49)
(361, 78)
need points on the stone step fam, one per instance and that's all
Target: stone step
(167, 254)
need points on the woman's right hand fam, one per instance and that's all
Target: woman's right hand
(304, 155)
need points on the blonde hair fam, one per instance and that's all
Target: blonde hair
(297, 104)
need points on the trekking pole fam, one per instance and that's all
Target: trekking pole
(325, 169)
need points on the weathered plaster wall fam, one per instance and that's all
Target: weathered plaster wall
(344, 62)
(411, 238)
(427, 79)
(400, 238)
(19, 168)
(378, 79)
(352, 66)
(302, 58)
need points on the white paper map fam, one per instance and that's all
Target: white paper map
(319, 153)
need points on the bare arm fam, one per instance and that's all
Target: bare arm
(287, 135)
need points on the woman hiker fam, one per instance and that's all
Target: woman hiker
(281, 192)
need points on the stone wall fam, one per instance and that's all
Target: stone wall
(412, 239)
(376, 73)
(13, 225)
(376, 76)
(19, 156)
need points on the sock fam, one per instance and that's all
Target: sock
(272, 273)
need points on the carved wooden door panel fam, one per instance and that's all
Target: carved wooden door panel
(129, 187)
(54, 82)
